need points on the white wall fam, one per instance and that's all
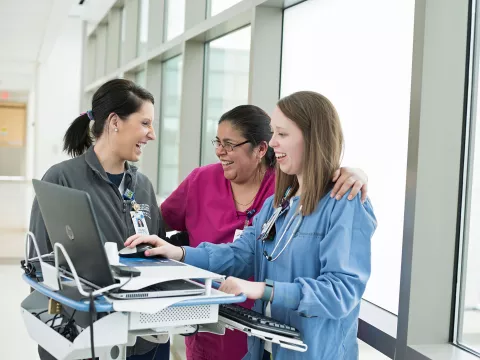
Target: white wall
(12, 161)
(58, 96)
(52, 105)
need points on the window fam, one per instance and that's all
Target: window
(361, 60)
(174, 18)
(123, 35)
(100, 51)
(142, 41)
(169, 140)
(468, 332)
(140, 78)
(217, 6)
(226, 83)
(90, 59)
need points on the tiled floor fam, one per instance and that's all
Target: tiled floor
(14, 340)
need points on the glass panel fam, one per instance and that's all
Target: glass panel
(174, 18)
(123, 33)
(469, 316)
(366, 73)
(226, 83)
(141, 78)
(142, 40)
(169, 144)
(217, 6)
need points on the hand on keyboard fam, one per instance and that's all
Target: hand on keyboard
(257, 321)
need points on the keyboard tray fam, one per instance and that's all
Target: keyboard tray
(254, 324)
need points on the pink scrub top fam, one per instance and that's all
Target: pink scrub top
(203, 206)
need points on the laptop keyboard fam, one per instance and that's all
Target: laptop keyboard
(155, 287)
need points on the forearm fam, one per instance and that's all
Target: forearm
(332, 296)
(221, 259)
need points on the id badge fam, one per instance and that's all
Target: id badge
(139, 223)
(238, 233)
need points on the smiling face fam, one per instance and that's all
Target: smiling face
(133, 133)
(241, 163)
(288, 143)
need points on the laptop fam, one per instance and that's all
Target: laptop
(70, 220)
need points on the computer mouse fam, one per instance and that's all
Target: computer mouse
(136, 252)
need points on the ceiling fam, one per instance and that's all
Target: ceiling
(28, 31)
(23, 25)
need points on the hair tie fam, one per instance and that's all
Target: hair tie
(89, 114)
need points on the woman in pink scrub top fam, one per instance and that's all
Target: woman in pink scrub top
(215, 202)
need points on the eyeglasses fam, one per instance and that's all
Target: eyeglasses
(228, 147)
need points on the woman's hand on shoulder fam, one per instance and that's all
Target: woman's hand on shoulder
(349, 178)
(160, 246)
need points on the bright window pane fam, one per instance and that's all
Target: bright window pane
(169, 126)
(226, 83)
(217, 6)
(123, 33)
(469, 329)
(359, 54)
(140, 78)
(142, 27)
(174, 18)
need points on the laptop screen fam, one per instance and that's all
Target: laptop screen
(70, 220)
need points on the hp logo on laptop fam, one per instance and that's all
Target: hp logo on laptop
(69, 231)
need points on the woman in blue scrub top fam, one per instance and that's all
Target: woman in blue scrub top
(309, 253)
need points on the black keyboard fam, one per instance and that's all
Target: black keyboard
(257, 321)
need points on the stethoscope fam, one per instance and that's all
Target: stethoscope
(267, 227)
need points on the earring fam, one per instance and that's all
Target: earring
(116, 129)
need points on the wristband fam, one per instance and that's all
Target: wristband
(267, 293)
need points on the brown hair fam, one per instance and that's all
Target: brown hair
(318, 120)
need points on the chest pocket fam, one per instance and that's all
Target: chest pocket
(306, 242)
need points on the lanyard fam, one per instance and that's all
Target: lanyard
(130, 195)
(250, 214)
